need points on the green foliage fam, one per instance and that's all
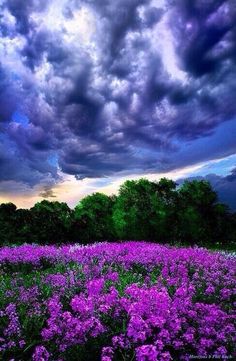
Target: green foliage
(129, 216)
(7, 223)
(50, 222)
(93, 218)
(198, 209)
(45, 223)
(143, 210)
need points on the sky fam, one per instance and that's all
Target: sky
(94, 92)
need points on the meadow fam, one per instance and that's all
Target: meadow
(115, 302)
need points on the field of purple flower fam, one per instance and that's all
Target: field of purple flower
(129, 301)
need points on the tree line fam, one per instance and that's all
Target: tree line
(143, 210)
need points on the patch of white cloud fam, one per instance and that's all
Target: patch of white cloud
(79, 28)
(162, 37)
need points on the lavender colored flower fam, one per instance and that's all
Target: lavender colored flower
(41, 354)
(146, 353)
(185, 303)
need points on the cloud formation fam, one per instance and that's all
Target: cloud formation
(225, 186)
(114, 87)
(47, 193)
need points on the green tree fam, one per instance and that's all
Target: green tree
(165, 208)
(93, 218)
(145, 209)
(51, 222)
(224, 227)
(7, 223)
(131, 208)
(197, 212)
(23, 224)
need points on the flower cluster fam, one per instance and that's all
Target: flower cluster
(132, 301)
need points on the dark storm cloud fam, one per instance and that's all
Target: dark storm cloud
(30, 139)
(208, 28)
(111, 103)
(120, 17)
(15, 167)
(22, 9)
(10, 94)
(232, 176)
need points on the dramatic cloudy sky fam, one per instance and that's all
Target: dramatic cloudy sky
(93, 92)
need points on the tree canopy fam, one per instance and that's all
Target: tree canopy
(161, 211)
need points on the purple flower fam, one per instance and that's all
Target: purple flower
(95, 286)
(145, 316)
(146, 353)
(40, 354)
(107, 353)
